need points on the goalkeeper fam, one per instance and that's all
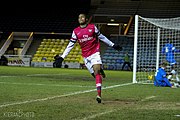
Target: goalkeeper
(88, 37)
(168, 50)
(161, 79)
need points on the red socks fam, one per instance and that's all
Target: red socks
(98, 84)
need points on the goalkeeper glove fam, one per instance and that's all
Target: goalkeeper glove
(117, 47)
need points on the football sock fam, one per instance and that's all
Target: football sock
(98, 84)
(176, 74)
(169, 77)
(173, 72)
(177, 78)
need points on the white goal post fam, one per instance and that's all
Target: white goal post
(150, 36)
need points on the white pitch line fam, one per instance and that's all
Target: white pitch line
(113, 86)
(96, 115)
(59, 96)
(177, 115)
(44, 84)
(8, 76)
(147, 98)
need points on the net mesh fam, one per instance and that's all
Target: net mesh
(149, 50)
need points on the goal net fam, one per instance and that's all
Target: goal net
(151, 34)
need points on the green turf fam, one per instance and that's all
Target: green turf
(29, 93)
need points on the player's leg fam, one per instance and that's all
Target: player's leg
(166, 83)
(97, 64)
(102, 72)
(129, 65)
(123, 65)
(97, 68)
(171, 64)
(89, 66)
(174, 70)
(90, 69)
(93, 64)
(98, 79)
(155, 82)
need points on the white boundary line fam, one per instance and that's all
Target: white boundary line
(45, 84)
(59, 96)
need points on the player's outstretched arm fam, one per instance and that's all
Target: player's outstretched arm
(68, 49)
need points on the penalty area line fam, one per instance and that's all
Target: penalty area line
(60, 96)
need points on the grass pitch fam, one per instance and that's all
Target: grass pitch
(69, 94)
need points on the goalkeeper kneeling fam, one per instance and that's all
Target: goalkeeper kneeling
(161, 79)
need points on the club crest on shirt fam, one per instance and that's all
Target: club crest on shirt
(90, 30)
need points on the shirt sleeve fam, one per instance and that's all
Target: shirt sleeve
(103, 38)
(70, 45)
(73, 37)
(68, 49)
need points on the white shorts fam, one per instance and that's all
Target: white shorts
(92, 60)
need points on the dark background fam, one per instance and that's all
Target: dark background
(41, 8)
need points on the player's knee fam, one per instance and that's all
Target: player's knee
(96, 71)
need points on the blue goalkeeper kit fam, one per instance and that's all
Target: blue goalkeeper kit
(161, 79)
(169, 51)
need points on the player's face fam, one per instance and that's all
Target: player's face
(82, 19)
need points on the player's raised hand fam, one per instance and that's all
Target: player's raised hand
(117, 47)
